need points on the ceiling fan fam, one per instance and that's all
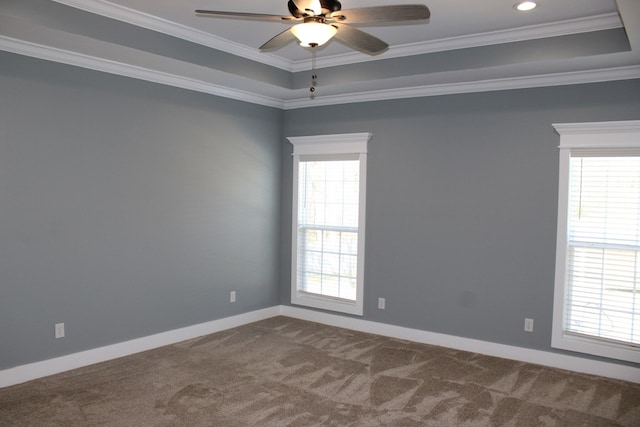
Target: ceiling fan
(317, 21)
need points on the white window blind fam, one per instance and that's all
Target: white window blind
(328, 207)
(603, 265)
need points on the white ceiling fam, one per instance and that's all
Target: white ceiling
(467, 45)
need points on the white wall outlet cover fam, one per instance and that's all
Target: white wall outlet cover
(528, 325)
(59, 330)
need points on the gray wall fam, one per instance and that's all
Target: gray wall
(128, 208)
(461, 204)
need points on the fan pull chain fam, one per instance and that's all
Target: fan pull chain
(314, 77)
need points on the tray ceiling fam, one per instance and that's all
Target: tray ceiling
(466, 46)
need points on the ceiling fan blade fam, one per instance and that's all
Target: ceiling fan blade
(243, 15)
(280, 40)
(379, 14)
(359, 40)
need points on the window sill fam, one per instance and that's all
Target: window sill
(326, 303)
(595, 347)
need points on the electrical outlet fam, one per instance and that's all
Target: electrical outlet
(59, 328)
(232, 296)
(528, 325)
(382, 303)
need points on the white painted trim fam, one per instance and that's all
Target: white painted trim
(524, 82)
(154, 23)
(600, 128)
(577, 136)
(57, 365)
(337, 144)
(555, 360)
(620, 134)
(49, 53)
(553, 29)
(362, 226)
(561, 247)
(345, 143)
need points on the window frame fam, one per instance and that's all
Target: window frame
(603, 138)
(336, 145)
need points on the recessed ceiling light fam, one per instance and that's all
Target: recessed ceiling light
(525, 6)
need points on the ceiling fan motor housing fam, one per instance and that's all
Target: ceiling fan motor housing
(327, 6)
(330, 6)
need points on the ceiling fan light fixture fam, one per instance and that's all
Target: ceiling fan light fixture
(313, 33)
(525, 6)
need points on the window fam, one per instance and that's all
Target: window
(329, 189)
(597, 290)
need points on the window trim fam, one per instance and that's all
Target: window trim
(330, 145)
(600, 137)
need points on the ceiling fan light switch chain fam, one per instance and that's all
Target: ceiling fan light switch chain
(314, 76)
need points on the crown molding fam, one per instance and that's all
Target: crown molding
(128, 70)
(144, 20)
(154, 23)
(525, 82)
(555, 29)
(119, 68)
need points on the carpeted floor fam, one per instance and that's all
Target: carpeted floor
(287, 372)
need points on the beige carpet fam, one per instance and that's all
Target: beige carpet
(287, 372)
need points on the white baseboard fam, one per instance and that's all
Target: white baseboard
(48, 367)
(555, 360)
(45, 368)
